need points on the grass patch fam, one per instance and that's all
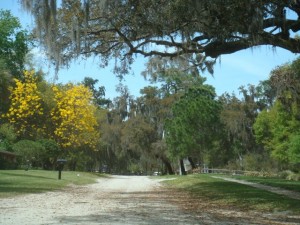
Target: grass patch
(274, 182)
(220, 193)
(15, 182)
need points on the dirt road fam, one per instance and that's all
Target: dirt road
(134, 200)
(117, 200)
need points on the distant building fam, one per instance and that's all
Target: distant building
(7, 159)
(187, 165)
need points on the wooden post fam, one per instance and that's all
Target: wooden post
(59, 174)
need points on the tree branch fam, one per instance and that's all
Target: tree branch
(215, 49)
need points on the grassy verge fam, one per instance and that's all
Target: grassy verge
(14, 182)
(220, 193)
(274, 182)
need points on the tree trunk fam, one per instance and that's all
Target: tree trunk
(168, 166)
(167, 163)
(192, 162)
(182, 169)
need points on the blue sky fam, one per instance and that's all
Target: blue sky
(232, 71)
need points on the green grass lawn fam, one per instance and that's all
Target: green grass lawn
(14, 182)
(204, 188)
(274, 182)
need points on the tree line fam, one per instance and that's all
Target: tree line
(178, 117)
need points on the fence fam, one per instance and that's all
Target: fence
(219, 171)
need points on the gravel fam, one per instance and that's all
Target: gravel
(119, 200)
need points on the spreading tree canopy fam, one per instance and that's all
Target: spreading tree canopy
(201, 29)
(14, 44)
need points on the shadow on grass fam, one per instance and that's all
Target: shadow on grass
(275, 182)
(22, 182)
(237, 195)
(28, 175)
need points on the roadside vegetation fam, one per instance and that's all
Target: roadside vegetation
(16, 182)
(202, 188)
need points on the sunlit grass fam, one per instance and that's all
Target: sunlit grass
(15, 182)
(274, 182)
(215, 191)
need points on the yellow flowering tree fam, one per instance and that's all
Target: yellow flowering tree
(26, 110)
(74, 117)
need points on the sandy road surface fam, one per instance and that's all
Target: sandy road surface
(120, 200)
(117, 200)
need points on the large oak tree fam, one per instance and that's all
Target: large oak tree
(200, 29)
